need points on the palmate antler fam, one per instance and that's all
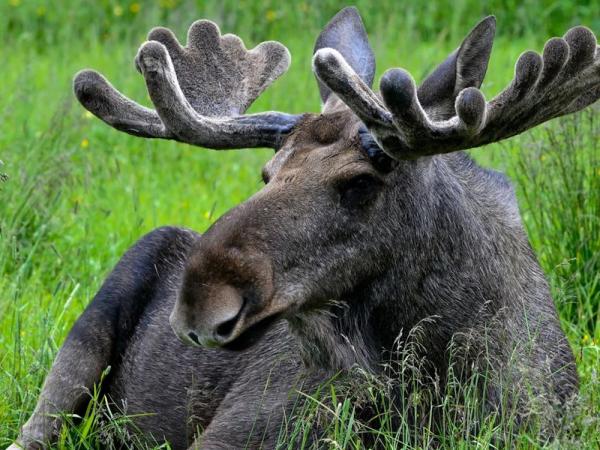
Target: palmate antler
(200, 91)
(564, 80)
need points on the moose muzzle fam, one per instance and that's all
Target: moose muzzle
(226, 298)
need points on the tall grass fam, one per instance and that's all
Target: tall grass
(569, 241)
(75, 194)
(402, 407)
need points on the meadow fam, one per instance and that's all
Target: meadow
(75, 194)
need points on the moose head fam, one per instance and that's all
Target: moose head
(366, 213)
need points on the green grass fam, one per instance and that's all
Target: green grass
(74, 194)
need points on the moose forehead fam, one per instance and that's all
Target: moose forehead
(331, 137)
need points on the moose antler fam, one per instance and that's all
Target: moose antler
(200, 91)
(564, 80)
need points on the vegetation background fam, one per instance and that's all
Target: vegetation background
(75, 194)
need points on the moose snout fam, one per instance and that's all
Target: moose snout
(227, 287)
(196, 324)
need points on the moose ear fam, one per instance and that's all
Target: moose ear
(346, 34)
(465, 67)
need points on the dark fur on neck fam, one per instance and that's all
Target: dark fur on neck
(335, 337)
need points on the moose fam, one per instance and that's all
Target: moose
(371, 220)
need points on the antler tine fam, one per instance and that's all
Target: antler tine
(564, 80)
(200, 91)
(333, 70)
(99, 97)
(412, 121)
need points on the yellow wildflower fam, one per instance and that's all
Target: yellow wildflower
(135, 8)
(85, 143)
(271, 15)
(118, 10)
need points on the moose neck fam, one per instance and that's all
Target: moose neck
(354, 332)
(337, 337)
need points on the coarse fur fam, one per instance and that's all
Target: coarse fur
(342, 252)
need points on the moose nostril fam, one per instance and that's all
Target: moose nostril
(194, 337)
(226, 328)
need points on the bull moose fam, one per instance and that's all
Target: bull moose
(371, 220)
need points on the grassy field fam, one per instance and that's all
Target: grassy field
(75, 194)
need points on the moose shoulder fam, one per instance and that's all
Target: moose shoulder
(371, 221)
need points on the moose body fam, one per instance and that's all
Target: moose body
(343, 250)
(178, 389)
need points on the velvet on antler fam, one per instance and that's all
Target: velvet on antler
(200, 91)
(565, 79)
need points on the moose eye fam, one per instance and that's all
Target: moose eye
(358, 191)
(264, 176)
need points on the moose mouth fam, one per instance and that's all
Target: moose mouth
(252, 334)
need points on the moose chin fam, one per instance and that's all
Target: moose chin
(372, 219)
